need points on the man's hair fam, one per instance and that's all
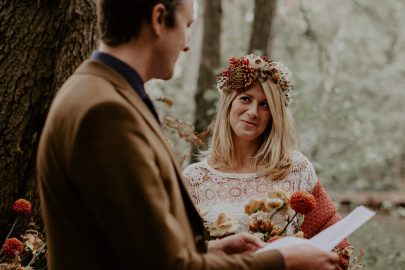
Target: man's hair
(277, 142)
(119, 21)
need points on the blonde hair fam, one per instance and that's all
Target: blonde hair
(274, 157)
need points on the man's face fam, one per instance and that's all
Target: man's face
(175, 39)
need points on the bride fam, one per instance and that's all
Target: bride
(254, 154)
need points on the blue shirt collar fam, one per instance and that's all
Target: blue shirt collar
(130, 75)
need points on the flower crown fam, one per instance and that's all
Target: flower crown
(243, 71)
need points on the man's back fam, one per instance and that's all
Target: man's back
(95, 154)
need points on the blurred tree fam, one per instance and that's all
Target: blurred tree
(260, 37)
(209, 63)
(42, 42)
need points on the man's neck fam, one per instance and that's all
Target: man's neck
(134, 54)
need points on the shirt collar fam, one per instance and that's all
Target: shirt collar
(130, 75)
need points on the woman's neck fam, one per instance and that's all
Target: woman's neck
(244, 151)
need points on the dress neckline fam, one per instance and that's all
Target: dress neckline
(227, 174)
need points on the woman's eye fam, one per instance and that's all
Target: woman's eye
(265, 105)
(245, 99)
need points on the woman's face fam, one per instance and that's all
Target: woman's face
(250, 114)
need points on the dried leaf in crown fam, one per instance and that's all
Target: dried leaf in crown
(243, 71)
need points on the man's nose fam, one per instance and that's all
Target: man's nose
(187, 44)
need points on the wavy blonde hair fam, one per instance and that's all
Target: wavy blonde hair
(274, 156)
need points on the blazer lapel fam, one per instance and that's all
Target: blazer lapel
(125, 90)
(194, 216)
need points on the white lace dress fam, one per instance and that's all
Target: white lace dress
(215, 192)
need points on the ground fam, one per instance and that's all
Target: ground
(382, 240)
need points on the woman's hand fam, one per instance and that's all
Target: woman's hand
(237, 243)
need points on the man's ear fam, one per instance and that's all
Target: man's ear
(158, 18)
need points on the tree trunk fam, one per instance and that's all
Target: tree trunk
(42, 42)
(206, 94)
(263, 21)
(402, 167)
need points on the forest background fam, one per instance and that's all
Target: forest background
(348, 64)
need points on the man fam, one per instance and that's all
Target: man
(112, 196)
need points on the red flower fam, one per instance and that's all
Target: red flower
(302, 202)
(12, 247)
(22, 207)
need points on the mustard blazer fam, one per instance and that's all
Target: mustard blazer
(111, 193)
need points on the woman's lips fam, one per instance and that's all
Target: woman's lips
(249, 123)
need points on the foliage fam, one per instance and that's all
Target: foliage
(347, 63)
(28, 251)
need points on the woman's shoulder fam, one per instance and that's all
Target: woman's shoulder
(197, 173)
(196, 167)
(300, 161)
(302, 165)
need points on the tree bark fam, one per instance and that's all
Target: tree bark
(209, 63)
(41, 43)
(260, 39)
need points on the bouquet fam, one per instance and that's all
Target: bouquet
(280, 214)
(223, 226)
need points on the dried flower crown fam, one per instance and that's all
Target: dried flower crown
(243, 71)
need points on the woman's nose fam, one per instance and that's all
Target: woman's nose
(252, 111)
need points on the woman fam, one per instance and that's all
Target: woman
(254, 155)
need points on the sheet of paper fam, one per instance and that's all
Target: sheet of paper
(330, 237)
(284, 242)
(333, 235)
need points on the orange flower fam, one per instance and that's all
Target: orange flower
(22, 207)
(302, 202)
(12, 247)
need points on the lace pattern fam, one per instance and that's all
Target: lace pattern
(216, 192)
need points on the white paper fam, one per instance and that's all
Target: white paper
(330, 237)
(285, 242)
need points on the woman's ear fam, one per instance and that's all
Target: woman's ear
(157, 18)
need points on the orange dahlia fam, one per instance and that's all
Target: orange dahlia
(13, 247)
(302, 202)
(22, 207)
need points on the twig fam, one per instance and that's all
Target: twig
(9, 233)
(288, 223)
(12, 227)
(36, 255)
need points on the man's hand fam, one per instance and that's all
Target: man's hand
(308, 257)
(238, 243)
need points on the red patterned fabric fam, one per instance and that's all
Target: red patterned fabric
(322, 216)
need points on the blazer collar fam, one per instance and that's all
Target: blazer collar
(124, 89)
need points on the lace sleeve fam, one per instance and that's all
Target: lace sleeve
(305, 171)
(193, 178)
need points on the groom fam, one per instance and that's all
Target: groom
(111, 193)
